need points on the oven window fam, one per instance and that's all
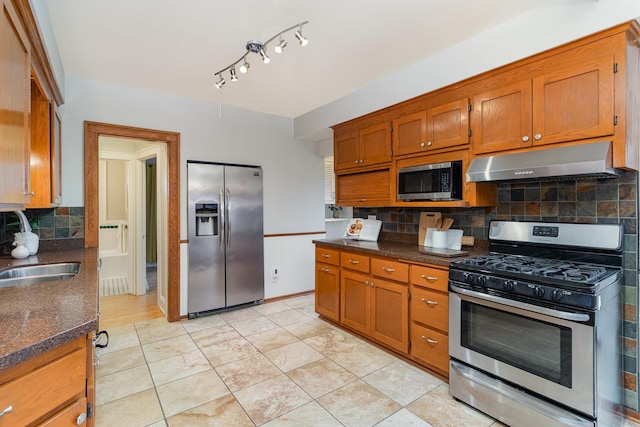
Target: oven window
(538, 347)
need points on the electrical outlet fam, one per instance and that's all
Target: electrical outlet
(275, 273)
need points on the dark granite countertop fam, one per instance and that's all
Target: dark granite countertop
(41, 316)
(406, 251)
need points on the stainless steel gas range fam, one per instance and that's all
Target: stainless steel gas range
(534, 326)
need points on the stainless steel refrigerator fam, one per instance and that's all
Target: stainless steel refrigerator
(225, 222)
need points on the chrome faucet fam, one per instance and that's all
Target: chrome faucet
(24, 223)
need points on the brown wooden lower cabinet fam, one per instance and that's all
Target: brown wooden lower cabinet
(399, 305)
(49, 389)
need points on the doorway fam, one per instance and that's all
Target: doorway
(171, 141)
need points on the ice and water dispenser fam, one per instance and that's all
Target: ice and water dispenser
(206, 219)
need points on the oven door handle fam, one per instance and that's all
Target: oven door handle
(575, 317)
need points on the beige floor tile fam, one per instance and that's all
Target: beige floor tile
(161, 331)
(300, 301)
(402, 382)
(239, 315)
(271, 398)
(228, 351)
(170, 347)
(211, 336)
(176, 367)
(122, 329)
(293, 356)
(121, 384)
(358, 404)
(309, 328)
(201, 323)
(352, 359)
(162, 423)
(272, 307)
(311, 414)
(254, 326)
(271, 339)
(287, 317)
(403, 418)
(140, 409)
(120, 360)
(224, 411)
(309, 311)
(332, 342)
(321, 377)
(120, 342)
(187, 393)
(441, 410)
(246, 372)
(152, 323)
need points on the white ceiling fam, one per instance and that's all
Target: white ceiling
(176, 46)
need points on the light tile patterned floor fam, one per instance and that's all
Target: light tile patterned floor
(271, 365)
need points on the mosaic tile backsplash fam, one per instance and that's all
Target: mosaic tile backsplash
(51, 224)
(586, 201)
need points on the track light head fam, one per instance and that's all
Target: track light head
(264, 56)
(234, 76)
(280, 46)
(302, 39)
(244, 67)
(220, 82)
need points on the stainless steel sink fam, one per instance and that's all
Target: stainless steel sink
(28, 274)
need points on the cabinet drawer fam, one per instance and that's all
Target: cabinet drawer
(388, 269)
(430, 346)
(45, 389)
(328, 256)
(70, 416)
(430, 308)
(354, 262)
(430, 277)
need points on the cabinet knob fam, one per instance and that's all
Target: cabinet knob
(525, 139)
(325, 270)
(429, 278)
(356, 162)
(537, 137)
(360, 160)
(429, 143)
(429, 302)
(422, 144)
(366, 282)
(372, 284)
(81, 419)
(430, 341)
(6, 410)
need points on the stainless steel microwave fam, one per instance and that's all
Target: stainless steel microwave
(437, 181)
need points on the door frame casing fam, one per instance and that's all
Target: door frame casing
(92, 130)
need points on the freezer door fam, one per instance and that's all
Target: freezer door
(245, 235)
(206, 288)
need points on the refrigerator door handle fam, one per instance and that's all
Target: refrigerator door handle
(224, 217)
(228, 221)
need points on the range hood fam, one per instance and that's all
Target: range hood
(576, 161)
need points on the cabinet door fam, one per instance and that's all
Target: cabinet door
(448, 125)
(390, 314)
(346, 154)
(354, 301)
(364, 189)
(410, 134)
(430, 346)
(40, 152)
(328, 291)
(375, 144)
(15, 87)
(574, 103)
(502, 118)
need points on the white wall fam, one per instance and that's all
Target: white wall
(293, 171)
(552, 24)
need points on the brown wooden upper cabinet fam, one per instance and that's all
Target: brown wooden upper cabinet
(438, 127)
(568, 103)
(366, 147)
(15, 85)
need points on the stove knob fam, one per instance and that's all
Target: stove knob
(508, 285)
(467, 277)
(557, 295)
(482, 280)
(538, 291)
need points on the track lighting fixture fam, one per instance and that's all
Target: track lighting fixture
(260, 48)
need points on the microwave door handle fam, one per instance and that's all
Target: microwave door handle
(574, 317)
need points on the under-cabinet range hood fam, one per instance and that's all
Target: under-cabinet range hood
(576, 161)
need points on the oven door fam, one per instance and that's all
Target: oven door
(543, 350)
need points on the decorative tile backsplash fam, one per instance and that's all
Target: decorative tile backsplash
(52, 224)
(586, 201)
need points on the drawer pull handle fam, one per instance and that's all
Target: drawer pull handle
(430, 341)
(326, 256)
(6, 410)
(353, 261)
(429, 302)
(326, 270)
(81, 419)
(388, 270)
(429, 278)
